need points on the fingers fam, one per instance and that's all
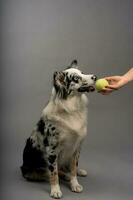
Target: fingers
(108, 90)
(111, 87)
(115, 82)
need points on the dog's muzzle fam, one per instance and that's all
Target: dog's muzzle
(86, 89)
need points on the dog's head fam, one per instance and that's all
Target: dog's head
(72, 81)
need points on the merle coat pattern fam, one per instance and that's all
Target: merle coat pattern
(53, 149)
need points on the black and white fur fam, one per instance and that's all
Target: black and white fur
(53, 148)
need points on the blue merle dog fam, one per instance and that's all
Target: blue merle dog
(53, 149)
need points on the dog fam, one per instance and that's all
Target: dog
(53, 149)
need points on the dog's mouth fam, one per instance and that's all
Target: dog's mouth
(91, 89)
(86, 89)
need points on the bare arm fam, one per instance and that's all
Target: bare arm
(129, 75)
(116, 82)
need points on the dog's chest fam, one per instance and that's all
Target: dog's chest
(76, 123)
(72, 133)
(70, 142)
(75, 120)
(70, 119)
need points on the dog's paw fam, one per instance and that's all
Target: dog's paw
(77, 188)
(56, 192)
(82, 172)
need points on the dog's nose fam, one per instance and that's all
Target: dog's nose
(94, 77)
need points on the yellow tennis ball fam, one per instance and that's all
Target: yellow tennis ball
(101, 84)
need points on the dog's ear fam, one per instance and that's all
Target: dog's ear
(74, 64)
(59, 78)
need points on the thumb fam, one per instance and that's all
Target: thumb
(114, 87)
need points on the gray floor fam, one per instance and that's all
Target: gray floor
(109, 177)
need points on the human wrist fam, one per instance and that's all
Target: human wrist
(126, 78)
(129, 75)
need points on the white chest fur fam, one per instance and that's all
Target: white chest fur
(70, 117)
(70, 113)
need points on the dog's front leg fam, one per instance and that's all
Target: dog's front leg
(75, 186)
(53, 176)
(54, 182)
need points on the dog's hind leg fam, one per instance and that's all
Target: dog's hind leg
(82, 172)
(34, 166)
(64, 175)
(34, 175)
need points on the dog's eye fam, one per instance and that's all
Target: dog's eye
(76, 78)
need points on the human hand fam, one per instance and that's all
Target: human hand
(115, 82)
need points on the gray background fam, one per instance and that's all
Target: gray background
(39, 37)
